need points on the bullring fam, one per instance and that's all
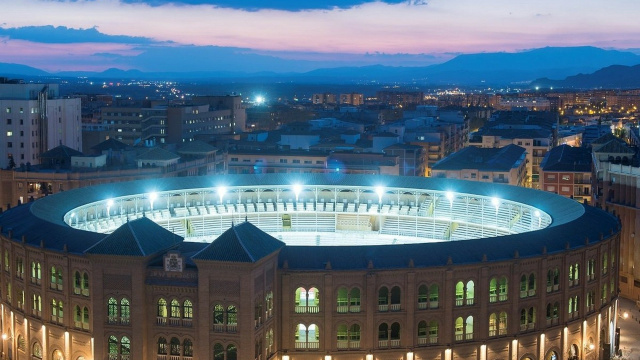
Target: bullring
(308, 266)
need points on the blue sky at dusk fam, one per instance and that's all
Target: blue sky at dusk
(253, 35)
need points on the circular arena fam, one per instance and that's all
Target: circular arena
(308, 266)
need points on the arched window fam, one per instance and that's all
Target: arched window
(342, 336)
(77, 283)
(187, 346)
(423, 297)
(36, 275)
(470, 294)
(36, 272)
(77, 317)
(218, 314)
(175, 309)
(459, 293)
(532, 284)
(162, 346)
(502, 323)
(604, 263)
(188, 309)
(383, 299)
(174, 347)
(395, 333)
(433, 296)
(433, 332)
(232, 352)
(113, 345)
(468, 332)
(493, 325)
(354, 300)
(112, 310)
(383, 335)
(307, 301)
(301, 297)
(395, 298)
(422, 332)
(313, 336)
(218, 352)
(459, 329)
(354, 336)
(493, 290)
(125, 311)
(125, 346)
(343, 300)
(7, 262)
(36, 350)
(502, 289)
(85, 284)
(573, 275)
(36, 305)
(21, 344)
(232, 315)
(301, 334)
(57, 355)
(162, 308)
(85, 318)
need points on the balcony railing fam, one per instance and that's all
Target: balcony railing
(394, 307)
(394, 343)
(422, 305)
(354, 308)
(232, 328)
(493, 298)
(470, 302)
(523, 294)
(433, 304)
(532, 292)
(383, 343)
(468, 336)
(459, 337)
(493, 332)
(384, 307)
(161, 320)
(423, 340)
(502, 297)
(343, 309)
(459, 302)
(218, 327)
(343, 344)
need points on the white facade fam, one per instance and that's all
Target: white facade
(33, 119)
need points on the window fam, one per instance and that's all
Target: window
(307, 337)
(56, 278)
(36, 273)
(188, 309)
(36, 350)
(162, 346)
(162, 311)
(36, 305)
(527, 285)
(20, 268)
(125, 311)
(112, 311)
(9, 133)
(175, 308)
(307, 301)
(565, 177)
(57, 311)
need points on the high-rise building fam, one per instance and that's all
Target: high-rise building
(34, 118)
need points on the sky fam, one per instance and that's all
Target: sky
(297, 35)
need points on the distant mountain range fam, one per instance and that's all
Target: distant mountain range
(614, 76)
(482, 69)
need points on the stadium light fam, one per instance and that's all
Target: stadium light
(152, 197)
(449, 196)
(380, 192)
(221, 191)
(109, 205)
(495, 202)
(296, 190)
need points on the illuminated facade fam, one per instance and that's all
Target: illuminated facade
(307, 266)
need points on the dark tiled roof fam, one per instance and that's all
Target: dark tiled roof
(140, 237)
(196, 147)
(518, 133)
(110, 144)
(567, 158)
(241, 243)
(605, 138)
(158, 154)
(60, 151)
(483, 159)
(615, 146)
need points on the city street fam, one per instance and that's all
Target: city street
(629, 329)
